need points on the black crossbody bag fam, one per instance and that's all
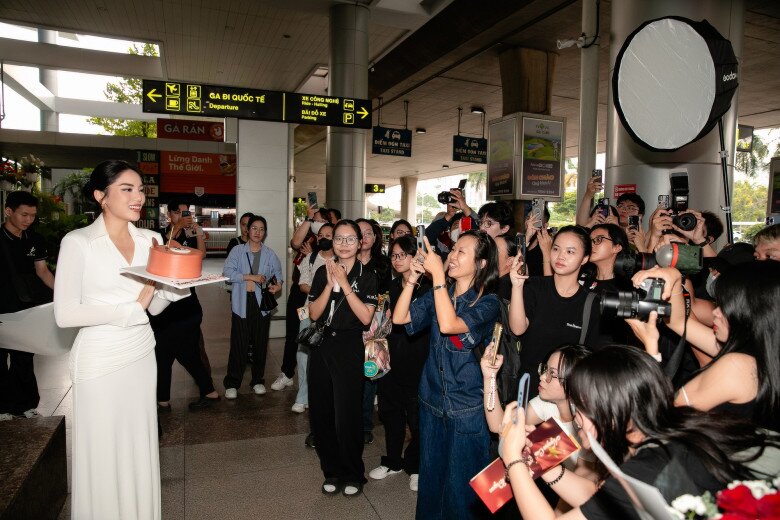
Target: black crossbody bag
(313, 335)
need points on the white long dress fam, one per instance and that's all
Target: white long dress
(116, 464)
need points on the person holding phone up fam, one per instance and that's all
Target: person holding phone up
(454, 438)
(249, 267)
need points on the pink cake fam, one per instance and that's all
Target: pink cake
(175, 262)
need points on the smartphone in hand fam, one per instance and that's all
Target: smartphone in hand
(497, 330)
(521, 247)
(311, 198)
(420, 236)
(522, 394)
(633, 222)
(537, 209)
(596, 174)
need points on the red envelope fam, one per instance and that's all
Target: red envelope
(491, 486)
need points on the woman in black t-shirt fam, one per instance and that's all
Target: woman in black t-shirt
(547, 311)
(625, 403)
(343, 295)
(397, 390)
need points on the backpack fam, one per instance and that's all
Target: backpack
(509, 347)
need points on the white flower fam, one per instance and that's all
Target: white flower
(687, 503)
(675, 514)
(758, 488)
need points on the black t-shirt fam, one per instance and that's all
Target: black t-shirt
(23, 251)
(381, 267)
(553, 321)
(362, 280)
(408, 353)
(504, 290)
(674, 469)
(235, 241)
(535, 261)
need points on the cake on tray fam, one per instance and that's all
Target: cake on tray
(181, 263)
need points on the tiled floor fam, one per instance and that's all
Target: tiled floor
(243, 458)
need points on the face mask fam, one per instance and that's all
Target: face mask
(710, 285)
(454, 234)
(325, 244)
(315, 227)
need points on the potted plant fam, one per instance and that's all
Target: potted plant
(9, 175)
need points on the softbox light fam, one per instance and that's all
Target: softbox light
(673, 80)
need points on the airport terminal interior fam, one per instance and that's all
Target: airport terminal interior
(260, 105)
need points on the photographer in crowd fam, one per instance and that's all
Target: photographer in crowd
(744, 377)
(177, 329)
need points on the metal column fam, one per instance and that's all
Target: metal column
(589, 97)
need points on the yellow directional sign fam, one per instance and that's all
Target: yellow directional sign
(363, 112)
(153, 94)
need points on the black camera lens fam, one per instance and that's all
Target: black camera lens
(623, 303)
(626, 264)
(685, 221)
(445, 197)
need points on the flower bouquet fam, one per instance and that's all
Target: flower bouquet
(377, 352)
(31, 167)
(741, 500)
(10, 176)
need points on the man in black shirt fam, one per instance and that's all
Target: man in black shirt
(177, 328)
(26, 282)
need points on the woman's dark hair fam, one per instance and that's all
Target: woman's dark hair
(616, 233)
(326, 224)
(379, 259)
(749, 297)
(255, 218)
(581, 233)
(612, 209)
(485, 278)
(103, 176)
(499, 211)
(401, 222)
(571, 354)
(247, 214)
(407, 243)
(620, 388)
(353, 225)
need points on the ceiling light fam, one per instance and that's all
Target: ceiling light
(477, 110)
(419, 130)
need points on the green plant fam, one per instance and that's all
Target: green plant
(71, 186)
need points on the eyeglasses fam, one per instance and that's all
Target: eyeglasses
(628, 207)
(543, 370)
(402, 232)
(599, 239)
(398, 256)
(486, 223)
(368, 234)
(350, 240)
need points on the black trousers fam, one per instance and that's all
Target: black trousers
(336, 404)
(245, 333)
(399, 407)
(295, 299)
(18, 386)
(179, 340)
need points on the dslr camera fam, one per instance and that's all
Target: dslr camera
(637, 303)
(445, 197)
(679, 202)
(685, 258)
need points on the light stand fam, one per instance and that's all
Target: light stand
(727, 195)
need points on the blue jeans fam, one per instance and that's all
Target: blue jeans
(369, 393)
(452, 450)
(302, 359)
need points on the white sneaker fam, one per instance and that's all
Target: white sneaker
(299, 408)
(231, 393)
(382, 472)
(281, 382)
(258, 389)
(413, 480)
(32, 412)
(6, 417)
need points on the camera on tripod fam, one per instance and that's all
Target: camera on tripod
(637, 303)
(679, 202)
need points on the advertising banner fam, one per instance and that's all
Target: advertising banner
(190, 130)
(542, 158)
(501, 158)
(183, 172)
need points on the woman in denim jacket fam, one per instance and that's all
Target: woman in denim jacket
(454, 438)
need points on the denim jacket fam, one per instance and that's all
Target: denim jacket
(451, 382)
(239, 263)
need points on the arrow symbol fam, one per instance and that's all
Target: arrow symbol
(362, 112)
(152, 94)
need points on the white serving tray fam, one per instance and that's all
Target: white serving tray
(179, 283)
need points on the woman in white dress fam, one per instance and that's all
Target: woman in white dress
(116, 465)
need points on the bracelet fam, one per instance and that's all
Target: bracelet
(437, 287)
(508, 466)
(412, 284)
(558, 479)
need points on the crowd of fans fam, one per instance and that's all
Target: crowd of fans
(689, 388)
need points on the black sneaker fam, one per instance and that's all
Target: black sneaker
(309, 442)
(203, 402)
(368, 438)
